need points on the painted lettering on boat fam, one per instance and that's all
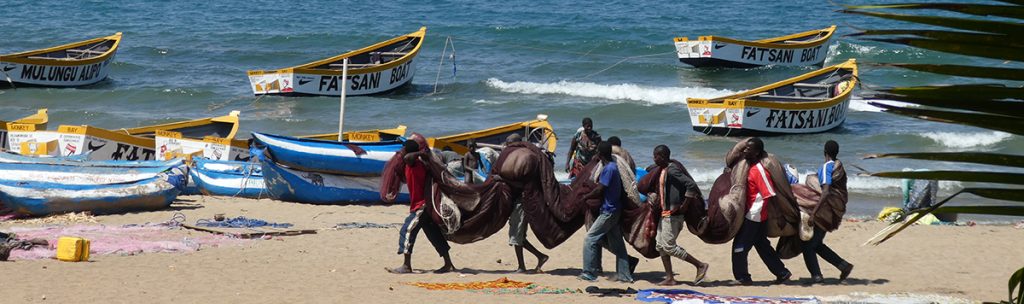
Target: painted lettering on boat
(61, 73)
(399, 73)
(129, 152)
(779, 55)
(805, 119)
(3, 139)
(358, 82)
(810, 54)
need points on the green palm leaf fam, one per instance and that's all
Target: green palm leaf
(972, 9)
(994, 159)
(1016, 195)
(987, 51)
(963, 176)
(963, 91)
(986, 26)
(990, 210)
(994, 122)
(963, 70)
(1004, 108)
(946, 36)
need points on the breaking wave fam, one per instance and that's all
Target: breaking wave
(626, 91)
(959, 140)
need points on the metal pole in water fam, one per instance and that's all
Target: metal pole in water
(341, 110)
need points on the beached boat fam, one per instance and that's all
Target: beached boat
(228, 178)
(212, 137)
(537, 131)
(74, 64)
(814, 102)
(92, 189)
(37, 121)
(55, 170)
(124, 144)
(328, 156)
(800, 49)
(291, 185)
(363, 136)
(377, 68)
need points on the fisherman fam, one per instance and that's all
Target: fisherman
(453, 161)
(676, 191)
(517, 228)
(760, 190)
(582, 148)
(832, 177)
(477, 162)
(419, 217)
(617, 149)
(606, 226)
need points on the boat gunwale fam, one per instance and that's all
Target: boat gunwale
(22, 57)
(307, 67)
(743, 102)
(773, 41)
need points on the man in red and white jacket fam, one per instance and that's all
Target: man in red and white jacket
(760, 190)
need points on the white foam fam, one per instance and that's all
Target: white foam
(488, 102)
(625, 91)
(958, 140)
(861, 105)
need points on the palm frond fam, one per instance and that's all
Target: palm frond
(945, 36)
(987, 51)
(1004, 108)
(962, 91)
(990, 210)
(994, 159)
(963, 71)
(985, 26)
(1009, 11)
(995, 122)
(962, 176)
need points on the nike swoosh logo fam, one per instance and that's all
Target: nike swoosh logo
(718, 46)
(304, 81)
(9, 68)
(749, 113)
(95, 148)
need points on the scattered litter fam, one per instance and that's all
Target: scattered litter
(60, 219)
(363, 225)
(240, 222)
(690, 296)
(122, 240)
(528, 290)
(499, 283)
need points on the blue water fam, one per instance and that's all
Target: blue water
(514, 59)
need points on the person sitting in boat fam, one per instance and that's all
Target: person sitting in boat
(453, 161)
(419, 217)
(582, 148)
(517, 228)
(477, 163)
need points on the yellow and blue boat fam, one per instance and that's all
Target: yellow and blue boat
(36, 121)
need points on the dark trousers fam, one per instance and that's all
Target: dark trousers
(816, 247)
(416, 221)
(752, 234)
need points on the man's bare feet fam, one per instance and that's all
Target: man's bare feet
(702, 271)
(668, 282)
(540, 263)
(445, 269)
(520, 270)
(399, 270)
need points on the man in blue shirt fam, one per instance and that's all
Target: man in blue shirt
(606, 226)
(833, 187)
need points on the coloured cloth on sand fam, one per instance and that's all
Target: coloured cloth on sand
(240, 222)
(123, 240)
(499, 283)
(693, 297)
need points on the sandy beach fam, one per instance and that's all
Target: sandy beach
(347, 265)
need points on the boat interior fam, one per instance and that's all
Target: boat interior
(217, 129)
(375, 57)
(80, 52)
(810, 36)
(816, 88)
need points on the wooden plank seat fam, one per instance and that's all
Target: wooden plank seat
(812, 85)
(392, 53)
(89, 52)
(788, 97)
(352, 65)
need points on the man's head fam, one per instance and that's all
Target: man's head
(410, 146)
(514, 137)
(588, 124)
(831, 149)
(752, 152)
(661, 155)
(615, 141)
(604, 151)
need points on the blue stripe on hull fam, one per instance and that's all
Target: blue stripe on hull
(43, 198)
(298, 186)
(232, 182)
(328, 156)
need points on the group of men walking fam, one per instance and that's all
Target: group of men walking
(674, 191)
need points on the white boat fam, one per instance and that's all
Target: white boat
(74, 64)
(801, 49)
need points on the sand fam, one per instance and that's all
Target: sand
(347, 266)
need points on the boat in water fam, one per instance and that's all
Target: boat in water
(814, 102)
(537, 131)
(75, 64)
(34, 121)
(378, 68)
(801, 49)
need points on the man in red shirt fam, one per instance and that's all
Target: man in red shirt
(752, 234)
(419, 218)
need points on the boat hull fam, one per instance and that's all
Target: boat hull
(711, 51)
(55, 75)
(330, 157)
(44, 198)
(99, 144)
(229, 178)
(294, 83)
(291, 185)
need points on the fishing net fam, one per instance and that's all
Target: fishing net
(120, 240)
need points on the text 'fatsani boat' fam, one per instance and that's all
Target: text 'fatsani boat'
(74, 64)
(814, 102)
(800, 49)
(377, 68)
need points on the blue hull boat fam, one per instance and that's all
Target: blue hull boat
(65, 172)
(331, 157)
(38, 198)
(228, 178)
(287, 184)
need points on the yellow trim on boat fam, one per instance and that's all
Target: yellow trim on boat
(365, 135)
(740, 100)
(308, 67)
(231, 118)
(775, 42)
(107, 134)
(450, 141)
(22, 57)
(38, 121)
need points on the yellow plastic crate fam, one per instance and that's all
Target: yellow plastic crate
(72, 249)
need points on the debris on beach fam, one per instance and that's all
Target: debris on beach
(59, 219)
(499, 286)
(121, 240)
(364, 225)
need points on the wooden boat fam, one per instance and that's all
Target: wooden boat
(74, 64)
(69, 172)
(125, 144)
(328, 156)
(363, 136)
(292, 185)
(814, 102)
(39, 197)
(228, 178)
(37, 121)
(212, 138)
(377, 68)
(800, 49)
(537, 131)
